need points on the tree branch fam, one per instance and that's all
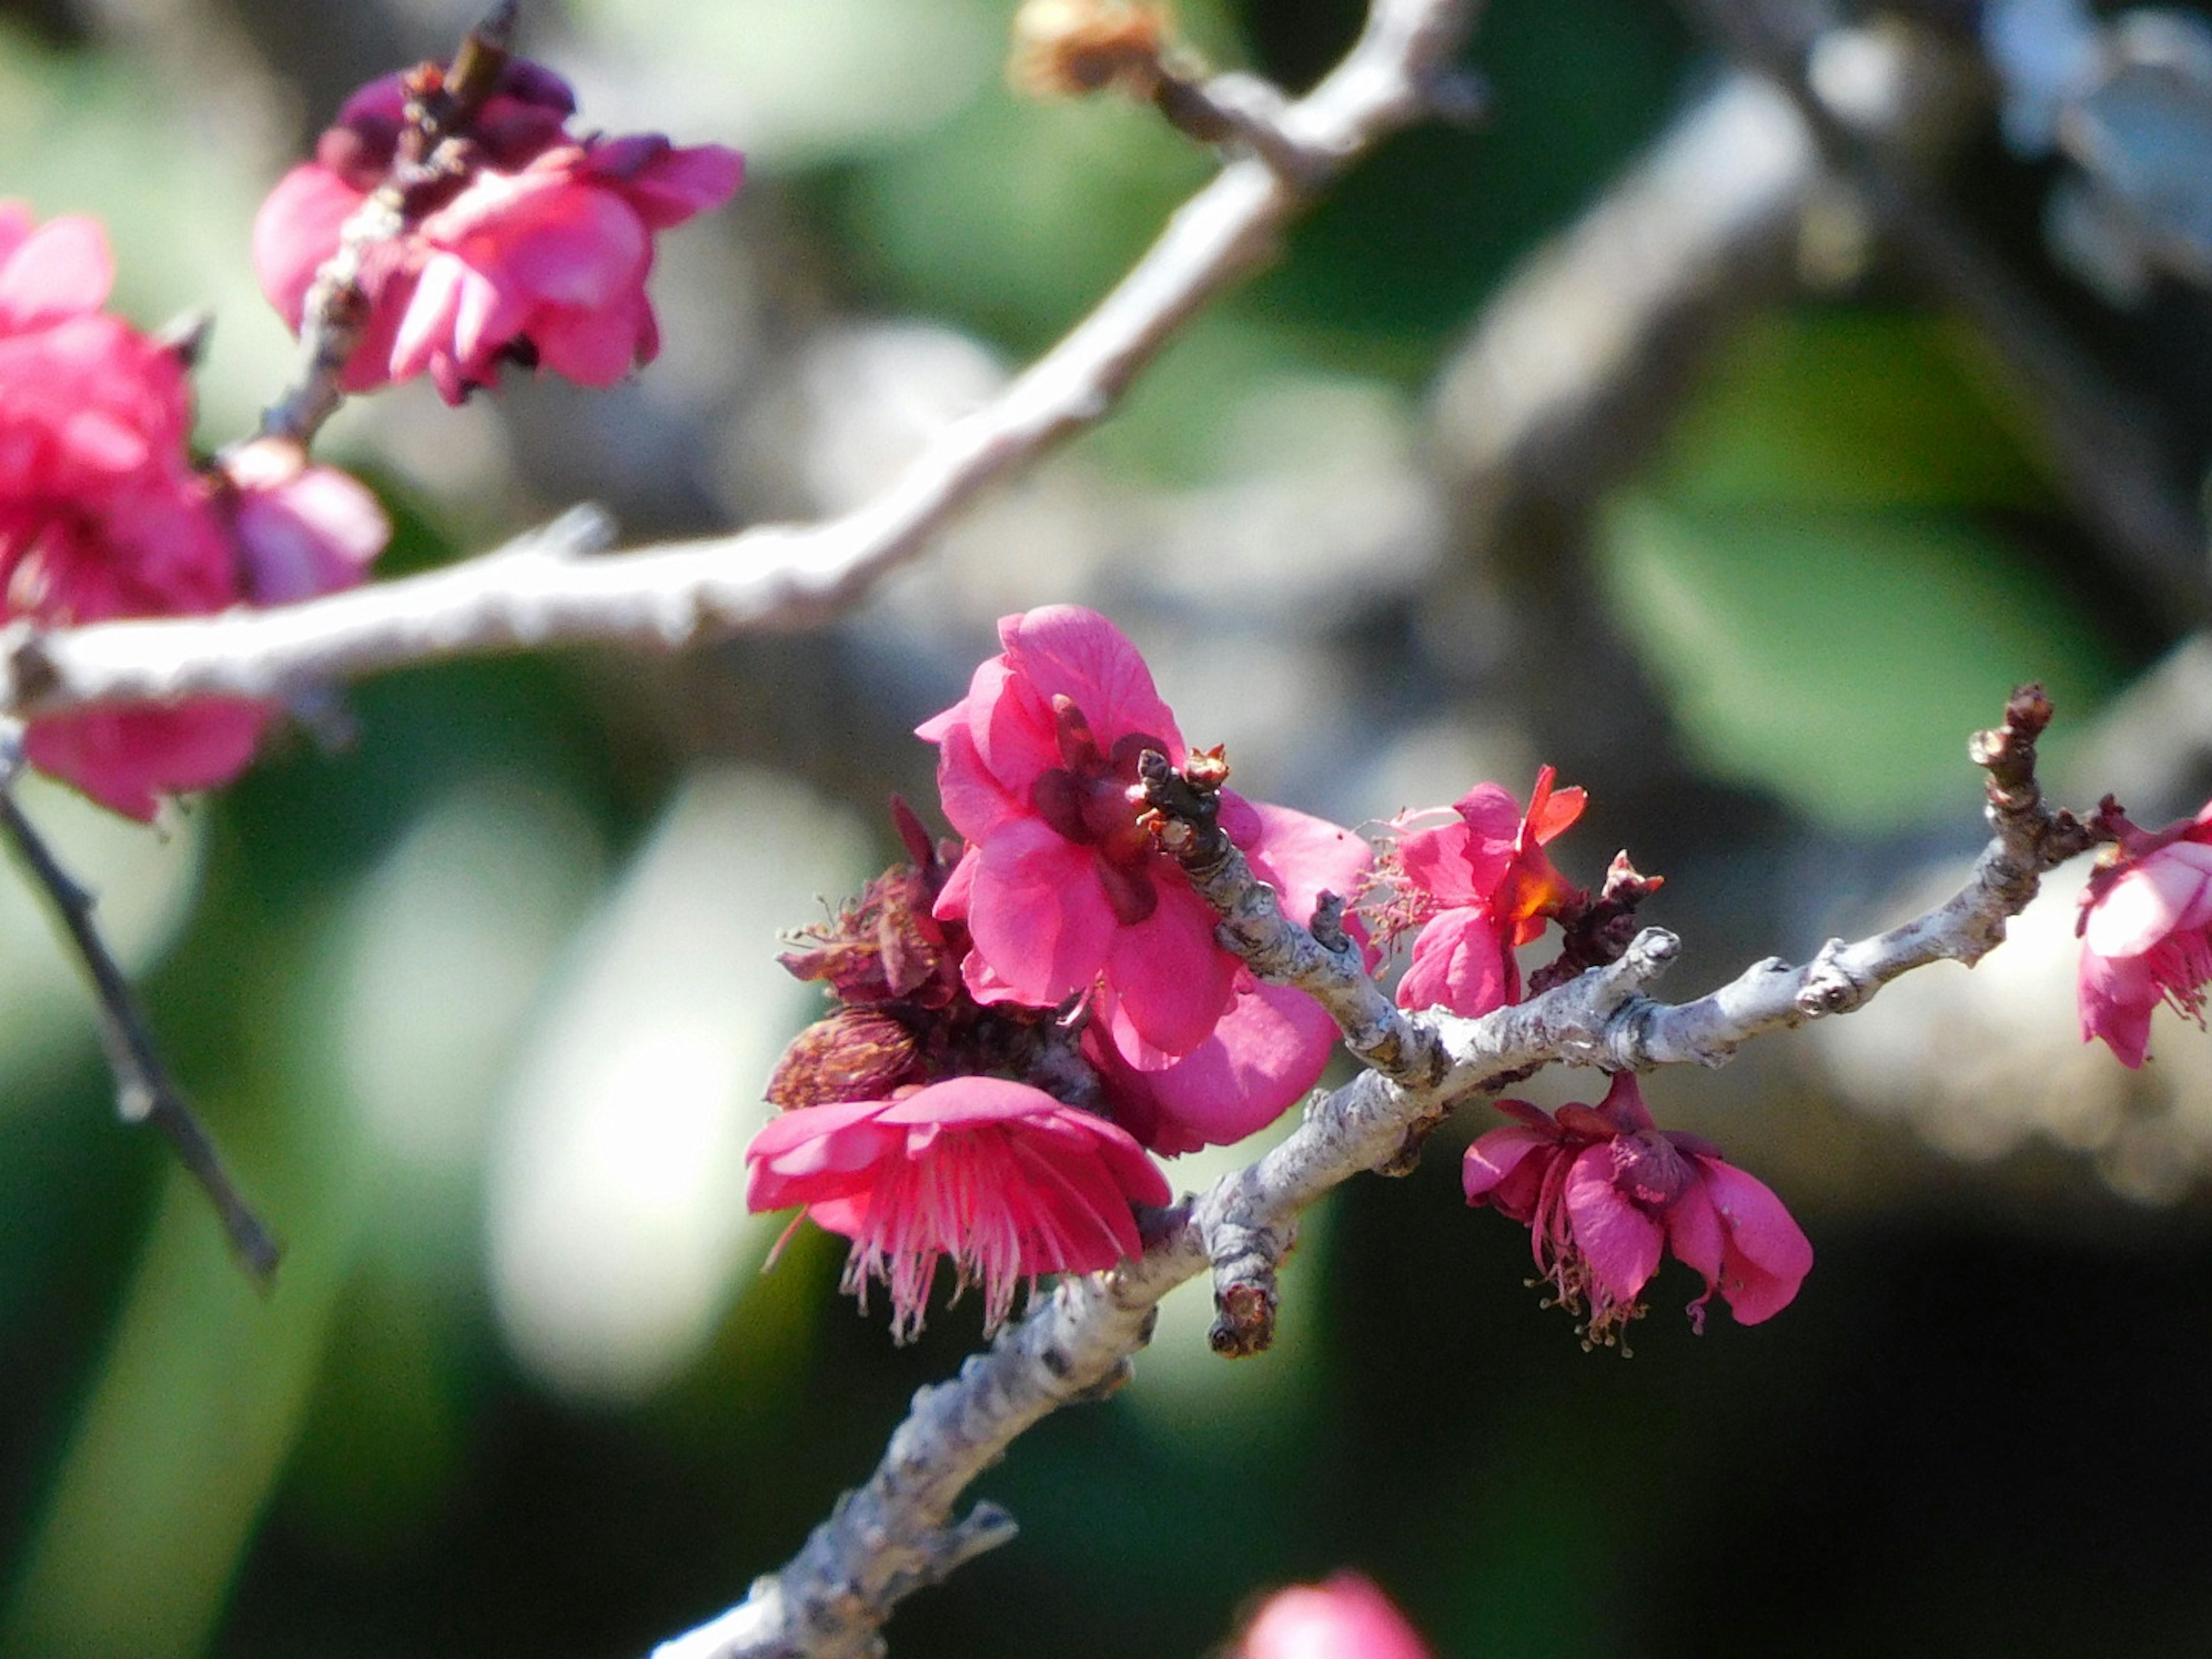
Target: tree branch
(775, 577)
(896, 1532)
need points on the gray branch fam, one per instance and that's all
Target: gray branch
(898, 1532)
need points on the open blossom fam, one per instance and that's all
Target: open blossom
(2146, 928)
(1346, 1617)
(536, 252)
(1061, 888)
(1477, 888)
(1000, 1178)
(1265, 1051)
(1603, 1190)
(102, 515)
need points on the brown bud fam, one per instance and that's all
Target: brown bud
(857, 1053)
(1071, 48)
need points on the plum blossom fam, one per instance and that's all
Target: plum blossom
(1345, 1617)
(1265, 1051)
(103, 515)
(1477, 888)
(536, 250)
(1061, 889)
(998, 1177)
(1603, 1190)
(2146, 927)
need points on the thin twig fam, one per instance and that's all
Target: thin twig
(335, 310)
(144, 1092)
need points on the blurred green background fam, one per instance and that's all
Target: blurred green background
(480, 1001)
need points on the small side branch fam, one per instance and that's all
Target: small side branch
(144, 1091)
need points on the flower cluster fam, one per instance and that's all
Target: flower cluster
(1602, 1190)
(2146, 927)
(1027, 1009)
(1477, 888)
(528, 244)
(103, 513)
(1054, 954)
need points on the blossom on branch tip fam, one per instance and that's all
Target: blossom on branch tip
(1001, 1178)
(1345, 1617)
(533, 247)
(1061, 888)
(1603, 1190)
(103, 515)
(2146, 928)
(1476, 889)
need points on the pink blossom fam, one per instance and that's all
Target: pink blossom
(300, 530)
(537, 253)
(1477, 888)
(102, 515)
(1602, 1189)
(1001, 1177)
(1060, 887)
(2146, 928)
(1266, 1050)
(1345, 1618)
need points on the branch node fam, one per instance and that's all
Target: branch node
(1829, 987)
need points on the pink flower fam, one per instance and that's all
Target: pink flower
(102, 515)
(1602, 1190)
(300, 530)
(536, 254)
(1477, 888)
(999, 1176)
(2146, 927)
(1345, 1618)
(1060, 887)
(1266, 1050)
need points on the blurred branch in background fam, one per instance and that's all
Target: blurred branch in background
(536, 593)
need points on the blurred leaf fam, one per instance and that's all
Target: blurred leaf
(195, 1410)
(1840, 658)
(1847, 408)
(1016, 218)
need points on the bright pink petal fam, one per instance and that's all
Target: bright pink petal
(676, 183)
(976, 804)
(1768, 1255)
(62, 269)
(593, 346)
(295, 231)
(1037, 913)
(1621, 1244)
(126, 759)
(1173, 980)
(1459, 962)
(1064, 650)
(1261, 1057)
(2117, 996)
(1300, 856)
(2150, 900)
(1488, 1171)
